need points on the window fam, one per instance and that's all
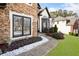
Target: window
(67, 21)
(27, 26)
(17, 26)
(21, 26)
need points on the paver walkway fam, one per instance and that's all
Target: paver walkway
(43, 49)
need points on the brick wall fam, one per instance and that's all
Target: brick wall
(20, 8)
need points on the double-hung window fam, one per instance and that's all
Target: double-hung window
(21, 25)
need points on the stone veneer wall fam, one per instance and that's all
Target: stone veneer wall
(20, 8)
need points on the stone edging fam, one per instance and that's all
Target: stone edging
(25, 48)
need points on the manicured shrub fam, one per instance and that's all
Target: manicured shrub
(55, 28)
(74, 34)
(58, 35)
(71, 33)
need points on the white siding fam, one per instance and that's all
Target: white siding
(62, 27)
(51, 22)
(45, 14)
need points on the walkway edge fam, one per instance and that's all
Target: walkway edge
(50, 50)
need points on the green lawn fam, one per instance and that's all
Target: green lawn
(67, 47)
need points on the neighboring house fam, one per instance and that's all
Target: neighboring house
(65, 24)
(44, 19)
(17, 21)
(72, 23)
(76, 26)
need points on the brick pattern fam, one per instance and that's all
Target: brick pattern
(20, 8)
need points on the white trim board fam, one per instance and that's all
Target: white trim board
(26, 48)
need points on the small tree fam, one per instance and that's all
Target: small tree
(55, 28)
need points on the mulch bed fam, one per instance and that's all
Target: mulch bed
(20, 43)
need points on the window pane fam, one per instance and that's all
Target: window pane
(17, 26)
(27, 26)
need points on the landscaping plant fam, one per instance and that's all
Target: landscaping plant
(55, 28)
(73, 34)
(58, 35)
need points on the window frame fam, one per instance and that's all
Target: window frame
(30, 25)
(67, 21)
(22, 25)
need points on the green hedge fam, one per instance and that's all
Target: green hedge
(58, 35)
(53, 29)
(74, 34)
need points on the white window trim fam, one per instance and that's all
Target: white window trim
(11, 25)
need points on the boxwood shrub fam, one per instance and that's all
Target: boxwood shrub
(74, 34)
(58, 35)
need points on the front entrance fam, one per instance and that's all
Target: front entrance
(44, 24)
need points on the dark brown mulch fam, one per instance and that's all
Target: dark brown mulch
(49, 34)
(20, 43)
